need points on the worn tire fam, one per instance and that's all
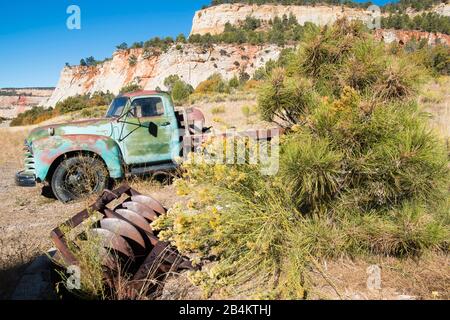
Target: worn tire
(78, 177)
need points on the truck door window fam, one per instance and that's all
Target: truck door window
(147, 107)
(116, 107)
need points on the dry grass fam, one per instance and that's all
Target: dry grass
(436, 100)
(26, 220)
(11, 143)
(233, 114)
(424, 278)
(197, 98)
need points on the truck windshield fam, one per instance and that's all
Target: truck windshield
(116, 107)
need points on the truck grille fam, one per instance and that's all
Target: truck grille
(29, 160)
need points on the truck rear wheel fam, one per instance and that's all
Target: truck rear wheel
(78, 177)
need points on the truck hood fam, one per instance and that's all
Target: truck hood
(100, 127)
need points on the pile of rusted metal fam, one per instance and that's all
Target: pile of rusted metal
(128, 243)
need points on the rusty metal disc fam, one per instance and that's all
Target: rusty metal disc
(107, 260)
(150, 202)
(122, 228)
(112, 241)
(141, 209)
(136, 219)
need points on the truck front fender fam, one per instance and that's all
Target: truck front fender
(47, 150)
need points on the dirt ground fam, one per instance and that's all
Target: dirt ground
(423, 278)
(25, 224)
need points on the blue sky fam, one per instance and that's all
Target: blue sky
(35, 42)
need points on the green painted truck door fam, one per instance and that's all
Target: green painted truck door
(140, 144)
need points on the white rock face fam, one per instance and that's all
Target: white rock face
(193, 64)
(442, 9)
(212, 20)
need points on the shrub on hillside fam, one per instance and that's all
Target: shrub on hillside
(91, 106)
(178, 89)
(440, 59)
(131, 87)
(79, 102)
(158, 44)
(234, 82)
(280, 31)
(100, 99)
(435, 58)
(181, 91)
(429, 22)
(251, 85)
(170, 81)
(33, 116)
(214, 83)
(71, 104)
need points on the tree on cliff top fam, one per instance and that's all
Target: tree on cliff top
(122, 46)
(400, 5)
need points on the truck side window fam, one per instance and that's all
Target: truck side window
(147, 107)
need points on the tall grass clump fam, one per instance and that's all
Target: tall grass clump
(91, 255)
(360, 173)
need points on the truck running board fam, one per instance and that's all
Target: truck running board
(152, 169)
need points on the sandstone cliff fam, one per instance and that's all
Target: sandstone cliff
(212, 20)
(192, 63)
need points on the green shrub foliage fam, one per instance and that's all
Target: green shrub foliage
(360, 173)
(179, 89)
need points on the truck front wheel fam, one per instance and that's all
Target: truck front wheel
(79, 177)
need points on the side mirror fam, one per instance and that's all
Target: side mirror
(153, 129)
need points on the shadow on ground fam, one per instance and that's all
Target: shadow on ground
(32, 281)
(9, 279)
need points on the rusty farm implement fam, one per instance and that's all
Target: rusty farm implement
(120, 220)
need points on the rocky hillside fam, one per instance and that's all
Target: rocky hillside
(191, 63)
(213, 19)
(194, 64)
(404, 36)
(16, 101)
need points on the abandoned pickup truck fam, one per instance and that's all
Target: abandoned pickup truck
(140, 134)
